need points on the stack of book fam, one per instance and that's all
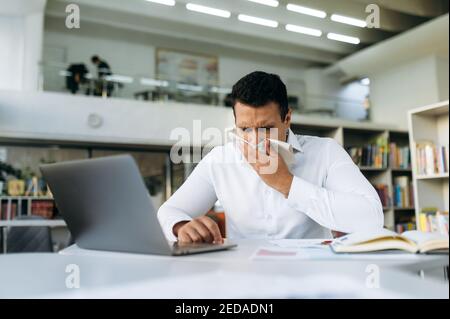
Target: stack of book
(433, 220)
(42, 208)
(431, 158)
(403, 192)
(402, 227)
(373, 155)
(4, 211)
(384, 194)
(399, 156)
(39, 207)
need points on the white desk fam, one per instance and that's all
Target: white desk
(225, 274)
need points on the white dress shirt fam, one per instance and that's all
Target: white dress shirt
(328, 192)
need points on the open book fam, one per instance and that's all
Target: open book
(383, 239)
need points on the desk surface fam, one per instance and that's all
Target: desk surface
(225, 274)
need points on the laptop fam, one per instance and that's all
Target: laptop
(106, 206)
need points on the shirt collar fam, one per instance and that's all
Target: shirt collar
(293, 141)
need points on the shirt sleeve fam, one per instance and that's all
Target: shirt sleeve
(346, 201)
(193, 199)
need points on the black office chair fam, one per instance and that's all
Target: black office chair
(29, 239)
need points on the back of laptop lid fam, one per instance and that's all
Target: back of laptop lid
(106, 205)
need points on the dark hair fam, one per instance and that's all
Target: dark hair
(259, 88)
(95, 58)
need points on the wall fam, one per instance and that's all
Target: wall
(11, 54)
(21, 29)
(412, 84)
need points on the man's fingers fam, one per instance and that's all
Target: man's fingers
(194, 235)
(183, 237)
(213, 229)
(203, 231)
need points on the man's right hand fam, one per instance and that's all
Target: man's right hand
(199, 230)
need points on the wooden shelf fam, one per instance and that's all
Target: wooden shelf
(434, 176)
(374, 169)
(33, 223)
(399, 170)
(429, 123)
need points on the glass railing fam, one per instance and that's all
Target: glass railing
(78, 80)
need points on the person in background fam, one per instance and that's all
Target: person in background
(103, 86)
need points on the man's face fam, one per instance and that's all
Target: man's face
(256, 123)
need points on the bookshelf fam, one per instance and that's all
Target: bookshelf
(429, 124)
(357, 135)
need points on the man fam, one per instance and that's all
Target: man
(103, 87)
(322, 190)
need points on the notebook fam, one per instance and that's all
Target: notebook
(384, 239)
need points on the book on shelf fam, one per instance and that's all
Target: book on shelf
(374, 155)
(384, 239)
(433, 220)
(4, 211)
(399, 156)
(431, 158)
(384, 194)
(43, 207)
(403, 192)
(402, 227)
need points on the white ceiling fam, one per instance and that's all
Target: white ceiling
(180, 23)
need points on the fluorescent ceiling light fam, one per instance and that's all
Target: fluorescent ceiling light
(365, 81)
(153, 82)
(348, 20)
(208, 10)
(343, 38)
(256, 20)
(119, 78)
(307, 11)
(270, 3)
(165, 2)
(303, 30)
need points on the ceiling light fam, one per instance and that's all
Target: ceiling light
(270, 3)
(208, 10)
(343, 38)
(256, 20)
(303, 30)
(307, 11)
(165, 2)
(348, 20)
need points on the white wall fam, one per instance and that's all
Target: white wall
(21, 30)
(415, 83)
(442, 67)
(11, 52)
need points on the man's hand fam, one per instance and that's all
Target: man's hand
(270, 166)
(199, 230)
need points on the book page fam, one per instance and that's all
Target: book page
(420, 238)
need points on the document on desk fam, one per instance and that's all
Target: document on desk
(300, 243)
